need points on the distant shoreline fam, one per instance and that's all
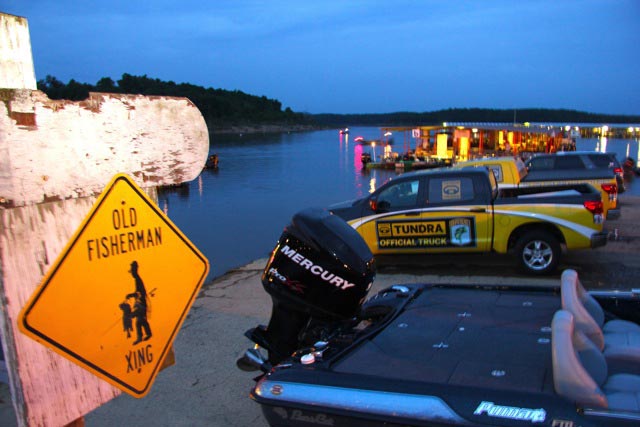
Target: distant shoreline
(252, 129)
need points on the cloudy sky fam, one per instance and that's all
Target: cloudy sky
(355, 56)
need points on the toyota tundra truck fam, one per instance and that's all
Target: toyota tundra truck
(464, 210)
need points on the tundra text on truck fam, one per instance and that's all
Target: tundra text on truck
(462, 210)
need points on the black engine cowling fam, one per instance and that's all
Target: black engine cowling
(319, 273)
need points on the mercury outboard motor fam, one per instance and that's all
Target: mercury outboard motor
(318, 275)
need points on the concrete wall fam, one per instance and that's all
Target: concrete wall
(47, 389)
(17, 70)
(55, 150)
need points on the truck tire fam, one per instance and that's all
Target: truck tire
(538, 252)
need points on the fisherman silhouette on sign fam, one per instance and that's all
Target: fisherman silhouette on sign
(140, 308)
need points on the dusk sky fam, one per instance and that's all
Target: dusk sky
(341, 56)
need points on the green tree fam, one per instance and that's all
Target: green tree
(106, 84)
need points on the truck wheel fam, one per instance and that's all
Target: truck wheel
(538, 252)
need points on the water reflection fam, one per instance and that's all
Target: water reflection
(357, 157)
(372, 185)
(602, 145)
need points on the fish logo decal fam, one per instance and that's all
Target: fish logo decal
(460, 233)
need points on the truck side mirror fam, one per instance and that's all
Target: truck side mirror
(382, 206)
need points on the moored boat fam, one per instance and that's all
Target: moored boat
(418, 354)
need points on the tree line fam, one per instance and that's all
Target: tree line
(482, 115)
(223, 109)
(220, 108)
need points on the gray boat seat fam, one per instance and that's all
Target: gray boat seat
(619, 340)
(580, 371)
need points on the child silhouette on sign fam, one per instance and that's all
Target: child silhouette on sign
(127, 320)
(140, 306)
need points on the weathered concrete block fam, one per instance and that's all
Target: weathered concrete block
(47, 389)
(15, 52)
(53, 150)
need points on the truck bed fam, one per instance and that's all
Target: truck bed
(567, 175)
(569, 193)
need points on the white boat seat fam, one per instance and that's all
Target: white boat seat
(618, 339)
(580, 371)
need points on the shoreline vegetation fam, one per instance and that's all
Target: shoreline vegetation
(235, 112)
(264, 128)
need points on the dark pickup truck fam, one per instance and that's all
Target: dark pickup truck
(597, 163)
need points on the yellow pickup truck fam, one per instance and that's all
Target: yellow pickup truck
(463, 210)
(511, 172)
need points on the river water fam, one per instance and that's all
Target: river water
(236, 214)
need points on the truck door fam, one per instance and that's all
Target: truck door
(397, 204)
(458, 210)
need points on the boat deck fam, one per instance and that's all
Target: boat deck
(465, 337)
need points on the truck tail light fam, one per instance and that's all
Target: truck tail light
(611, 189)
(618, 171)
(594, 206)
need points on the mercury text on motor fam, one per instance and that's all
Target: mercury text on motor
(316, 269)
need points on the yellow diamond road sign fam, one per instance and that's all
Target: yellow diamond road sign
(116, 297)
